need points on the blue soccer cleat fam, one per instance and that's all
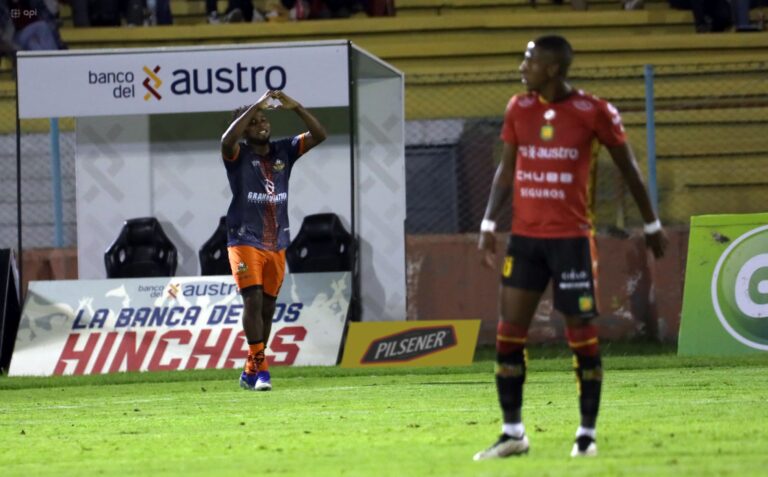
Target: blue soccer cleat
(263, 382)
(248, 381)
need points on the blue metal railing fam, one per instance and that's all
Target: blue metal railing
(650, 136)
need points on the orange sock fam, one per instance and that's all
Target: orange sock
(257, 358)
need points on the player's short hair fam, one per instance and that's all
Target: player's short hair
(239, 112)
(559, 48)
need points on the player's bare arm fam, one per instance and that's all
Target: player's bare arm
(501, 190)
(317, 132)
(235, 130)
(624, 159)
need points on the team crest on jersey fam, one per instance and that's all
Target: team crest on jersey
(547, 132)
(507, 270)
(278, 166)
(242, 268)
(586, 303)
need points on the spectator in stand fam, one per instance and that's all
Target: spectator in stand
(575, 4)
(114, 12)
(237, 11)
(319, 9)
(159, 12)
(380, 8)
(708, 15)
(7, 46)
(335, 8)
(285, 10)
(740, 11)
(32, 26)
(584, 4)
(633, 4)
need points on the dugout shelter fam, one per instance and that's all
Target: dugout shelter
(147, 128)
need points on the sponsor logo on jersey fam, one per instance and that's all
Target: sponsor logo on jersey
(542, 177)
(549, 153)
(539, 193)
(574, 280)
(266, 198)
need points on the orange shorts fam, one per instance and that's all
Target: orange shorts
(255, 267)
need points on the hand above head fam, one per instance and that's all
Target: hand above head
(286, 102)
(264, 101)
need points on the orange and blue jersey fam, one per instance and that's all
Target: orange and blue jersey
(258, 213)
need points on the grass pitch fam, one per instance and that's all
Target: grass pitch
(661, 415)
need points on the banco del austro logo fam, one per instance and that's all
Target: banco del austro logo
(740, 288)
(121, 83)
(152, 84)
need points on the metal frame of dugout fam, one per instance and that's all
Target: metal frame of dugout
(147, 129)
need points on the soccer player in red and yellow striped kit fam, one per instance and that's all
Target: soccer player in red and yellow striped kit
(551, 135)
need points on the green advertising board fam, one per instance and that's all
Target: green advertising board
(725, 300)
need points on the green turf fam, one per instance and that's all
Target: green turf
(662, 415)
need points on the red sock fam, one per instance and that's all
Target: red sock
(583, 340)
(510, 337)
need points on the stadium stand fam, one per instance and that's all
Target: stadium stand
(450, 47)
(452, 36)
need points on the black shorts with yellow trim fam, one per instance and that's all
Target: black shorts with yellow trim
(570, 263)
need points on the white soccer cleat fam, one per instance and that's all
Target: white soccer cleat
(263, 382)
(584, 446)
(506, 446)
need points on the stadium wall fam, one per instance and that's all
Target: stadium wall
(446, 281)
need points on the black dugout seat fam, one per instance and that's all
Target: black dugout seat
(214, 259)
(141, 250)
(322, 245)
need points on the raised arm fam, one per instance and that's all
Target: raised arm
(316, 130)
(236, 129)
(501, 191)
(655, 237)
